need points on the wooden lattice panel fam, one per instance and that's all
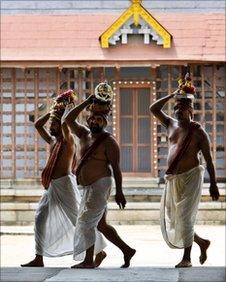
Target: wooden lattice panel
(26, 94)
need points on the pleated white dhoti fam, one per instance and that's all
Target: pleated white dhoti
(179, 206)
(56, 217)
(92, 208)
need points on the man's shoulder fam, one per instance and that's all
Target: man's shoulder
(196, 124)
(197, 127)
(85, 137)
(110, 139)
(199, 131)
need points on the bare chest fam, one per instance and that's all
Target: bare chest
(99, 151)
(177, 135)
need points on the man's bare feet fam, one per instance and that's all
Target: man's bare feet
(99, 258)
(84, 265)
(203, 249)
(184, 263)
(127, 257)
(34, 263)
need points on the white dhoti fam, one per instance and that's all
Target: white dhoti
(56, 217)
(92, 208)
(179, 206)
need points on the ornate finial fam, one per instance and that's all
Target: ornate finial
(136, 11)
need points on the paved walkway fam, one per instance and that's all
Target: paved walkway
(154, 260)
(135, 274)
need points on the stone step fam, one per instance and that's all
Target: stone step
(205, 185)
(129, 191)
(132, 194)
(112, 206)
(10, 183)
(135, 213)
(128, 182)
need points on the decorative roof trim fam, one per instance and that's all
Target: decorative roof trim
(136, 10)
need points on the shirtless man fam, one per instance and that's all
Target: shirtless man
(57, 211)
(95, 177)
(184, 179)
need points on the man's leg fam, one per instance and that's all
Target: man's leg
(40, 221)
(186, 260)
(88, 261)
(111, 234)
(40, 225)
(204, 245)
(36, 262)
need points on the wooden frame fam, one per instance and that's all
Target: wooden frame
(132, 85)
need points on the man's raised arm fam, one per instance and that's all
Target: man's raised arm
(39, 125)
(78, 129)
(156, 109)
(68, 137)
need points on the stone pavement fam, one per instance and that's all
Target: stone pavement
(154, 260)
(134, 274)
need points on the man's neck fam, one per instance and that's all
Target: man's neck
(184, 123)
(96, 135)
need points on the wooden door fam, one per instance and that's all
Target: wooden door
(135, 130)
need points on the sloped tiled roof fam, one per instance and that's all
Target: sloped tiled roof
(75, 38)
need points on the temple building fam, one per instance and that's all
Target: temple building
(140, 47)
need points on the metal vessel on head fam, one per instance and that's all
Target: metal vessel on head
(103, 92)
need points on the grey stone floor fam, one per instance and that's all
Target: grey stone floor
(154, 260)
(134, 274)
